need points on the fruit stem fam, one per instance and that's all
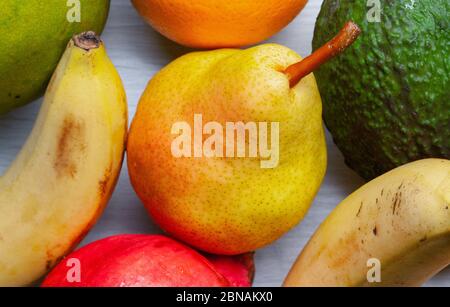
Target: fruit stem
(87, 40)
(337, 45)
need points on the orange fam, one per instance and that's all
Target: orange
(218, 23)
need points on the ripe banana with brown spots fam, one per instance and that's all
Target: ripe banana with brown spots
(63, 177)
(401, 219)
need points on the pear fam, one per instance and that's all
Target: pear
(250, 152)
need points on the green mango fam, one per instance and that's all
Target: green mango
(33, 37)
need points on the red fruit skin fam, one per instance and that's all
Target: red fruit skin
(238, 270)
(137, 261)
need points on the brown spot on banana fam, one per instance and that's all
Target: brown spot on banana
(105, 182)
(353, 246)
(70, 145)
(359, 210)
(51, 258)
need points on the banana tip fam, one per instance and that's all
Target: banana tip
(87, 40)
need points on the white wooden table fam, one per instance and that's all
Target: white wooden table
(139, 52)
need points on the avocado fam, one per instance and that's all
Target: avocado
(33, 36)
(387, 98)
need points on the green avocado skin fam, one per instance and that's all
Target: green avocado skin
(33, 36)
(387, 98)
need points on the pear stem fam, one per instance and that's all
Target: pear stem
(337, 45)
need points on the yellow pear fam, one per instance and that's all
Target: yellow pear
(227, 148)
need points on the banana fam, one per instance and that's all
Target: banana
(62, 179)
(401, 219)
